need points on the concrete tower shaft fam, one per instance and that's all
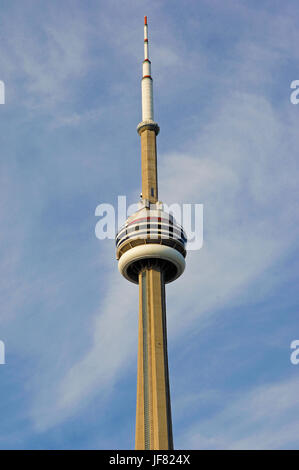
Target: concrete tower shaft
(153, 413)
(149, 173)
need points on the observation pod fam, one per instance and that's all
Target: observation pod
(149, 238)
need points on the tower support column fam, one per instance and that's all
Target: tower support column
(149, 165)
(153, 412)
(151, 249)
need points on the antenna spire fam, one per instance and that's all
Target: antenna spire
(147, 82)
(145, 39)
(147, 89)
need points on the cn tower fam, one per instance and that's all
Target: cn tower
(151, 251)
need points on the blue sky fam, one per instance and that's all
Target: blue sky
(222, 73)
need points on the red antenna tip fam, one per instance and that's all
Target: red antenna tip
(145, 20)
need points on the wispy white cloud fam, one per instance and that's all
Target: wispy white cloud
(113, 344)
(241, 164)
(75, 119)
(241, 240)
(265, 417)
(41, 68)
